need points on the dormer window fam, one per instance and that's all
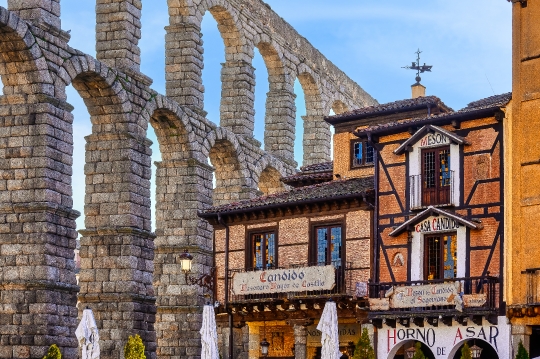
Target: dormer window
(362, 153)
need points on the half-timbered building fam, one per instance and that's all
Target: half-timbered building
(438, 223)
(281, 257)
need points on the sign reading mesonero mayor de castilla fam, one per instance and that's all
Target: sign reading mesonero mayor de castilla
(284, 280)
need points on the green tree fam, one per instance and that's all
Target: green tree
(419, 354)
(466, 352)
(364, 350)
(134, 348)
(522, 352)
(53, 353)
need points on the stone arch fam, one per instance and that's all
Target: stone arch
(338, 106)
(312, 92)
(228, 159)
(23, 68)
(408, 343)
(488, 349)
(269, 181)
(173, 130)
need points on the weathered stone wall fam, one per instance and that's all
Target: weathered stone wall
(129, 273)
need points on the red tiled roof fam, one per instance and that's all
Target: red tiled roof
(489, 103)
(320, 172)
(391, 107)
(319, 192)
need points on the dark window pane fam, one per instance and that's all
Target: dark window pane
(429, 169)
(258, 247)
(433, 258)
(322, 245)
(336, 246)
(369, 153)
(270, 250)
(358, 154)
(444, 160)
(450, 257)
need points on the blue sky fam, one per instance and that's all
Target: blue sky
(467, 42)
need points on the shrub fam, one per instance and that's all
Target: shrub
(466, 352)
(53, 353)
(134, 348)
(419, 354)
(522, 352)
(364, 350)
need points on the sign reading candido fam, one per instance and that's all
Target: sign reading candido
(284, 280)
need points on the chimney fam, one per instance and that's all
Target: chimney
(418, 90)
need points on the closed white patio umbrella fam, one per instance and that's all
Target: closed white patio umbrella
(87, 335)
(328, 326)
(209, 334)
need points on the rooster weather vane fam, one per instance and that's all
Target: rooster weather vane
(418, 68)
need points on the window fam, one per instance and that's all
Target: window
(440, 257)
(263, 250)
(328, 245)
(362, 153)
(436, 176)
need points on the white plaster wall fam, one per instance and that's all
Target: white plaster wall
(445, 339)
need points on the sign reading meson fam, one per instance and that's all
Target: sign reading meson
(284, 280)
(434, 139)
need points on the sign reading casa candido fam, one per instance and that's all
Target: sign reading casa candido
(284, 280)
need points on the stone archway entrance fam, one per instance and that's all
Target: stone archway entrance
(488, 352)
(399, 351)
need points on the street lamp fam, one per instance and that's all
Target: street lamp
(476, 352)
(409, 353)
(205, 280)
(350, 349)
(264, 347)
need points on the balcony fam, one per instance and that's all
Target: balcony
(439, 194)
(479, 297)
(343, 287)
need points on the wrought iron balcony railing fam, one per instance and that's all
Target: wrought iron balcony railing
(487, 287)
(424, 194)
(344, 285)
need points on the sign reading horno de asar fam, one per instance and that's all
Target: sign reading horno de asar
(284, 280)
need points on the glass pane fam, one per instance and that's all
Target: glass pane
(257, 251)
(322, 245)
(433, 258)
(357, 161)
(369, 153)
(450, 257)
(444, 158)
(336, 246)
(429, 169)
(270, 251)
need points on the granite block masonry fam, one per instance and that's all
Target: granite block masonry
(129, 271)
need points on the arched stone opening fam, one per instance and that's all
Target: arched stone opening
(338, 107)
(269, 181)
(488, 351)
(172, 135)
(229, 178)
(398, 352)
(317, 137)
(116, 287)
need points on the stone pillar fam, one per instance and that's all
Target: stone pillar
(183, 188)
(184, 64)
(37, 229)
(240, 342)
(280, 121)
(118, 30)
(521, 333)
(117, 249)
(37, 11)
(300, 342)
(317, 140)
(238, 97)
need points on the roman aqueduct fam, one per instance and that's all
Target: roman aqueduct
(129, 272)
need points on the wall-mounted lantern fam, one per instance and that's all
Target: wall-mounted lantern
(409, 353)
(476, 352)
(264, 347)
(205, 281)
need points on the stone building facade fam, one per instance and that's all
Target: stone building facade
(129, 271)
(325, 223)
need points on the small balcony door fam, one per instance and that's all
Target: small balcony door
(436, 176)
